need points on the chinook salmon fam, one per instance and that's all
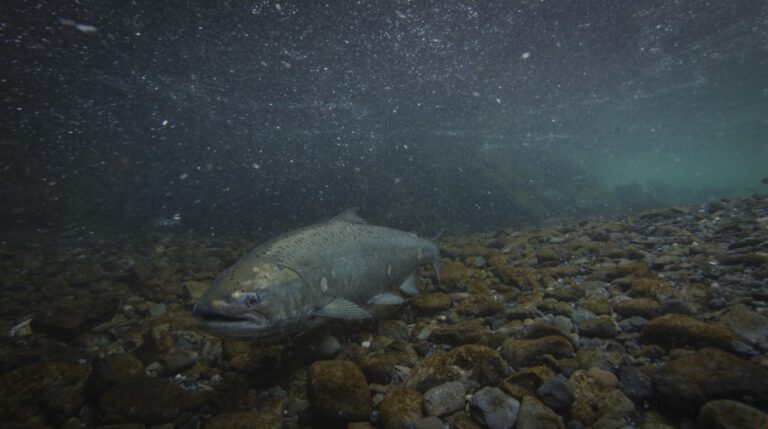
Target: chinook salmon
(332, 270)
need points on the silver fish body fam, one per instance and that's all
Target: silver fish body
(334, 269)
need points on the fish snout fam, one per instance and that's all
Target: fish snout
(202, 308)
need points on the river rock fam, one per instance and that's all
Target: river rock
(66, 319)
(643, 307)
(243, 420)
(493, 408)
(598, 327)
(689, 381)
(597, 399)
(746, 323)
(535, 415)
(444, 399)
(148, 401)
(677, 330)
(469, 362)
(36, 382)
(729, 414)
(557, 394)
(338, 391)
(400, 408)
(427, 304)
(522, 353)
(636, 383)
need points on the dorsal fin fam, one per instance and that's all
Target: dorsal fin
(350, 215)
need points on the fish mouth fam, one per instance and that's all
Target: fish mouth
(233, 327)
(242, 326)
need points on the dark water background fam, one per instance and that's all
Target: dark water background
(257, 116)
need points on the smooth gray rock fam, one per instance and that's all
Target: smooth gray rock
(556, 394)
(494, 408)
(444, 399)
(637, 384)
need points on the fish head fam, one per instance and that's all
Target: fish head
(253, 299)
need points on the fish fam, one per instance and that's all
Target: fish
(765, 180)
(336, 269)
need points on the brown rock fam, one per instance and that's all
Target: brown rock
(453, 275)
(596, 401)
(677, 330)
(750, 259)
(427, 304)
(463, 421)
(400, 407)
(36, 382)
(695, 294)
(599, 305)
(522, 353)
(553, 306)
(689, 381)
(728, 414)
(469, 332)
(523, 278)
(536, 415)
(481, 306)
(66, 319)
(337, 390)
(567, 292)
(474, 362)
(650, 287)
(643, 307)
(378, 368)
(637, 268)
(598, 327)
(747, 323)
(243, 420)
(526, 381)
(148, 401)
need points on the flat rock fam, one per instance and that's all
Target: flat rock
(647, 286)
(337, 391)
(494, 409)
(676, 330)
(643, 307)
(471, 331)
(35, 382)
(469, 362)
(746, 323)
(522, 353)
(67, 319)
(148, 401)
(597, 399)
(729, 414)
(427, 304)
(243, 420)
(636, 383)
(444, 399)
(598, 327)
(400, 408)
(535, 415)
(557, 394)
(710, 373)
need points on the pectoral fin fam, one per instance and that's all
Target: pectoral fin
(341, 308)
(409, 286)
(386, 298)
(436, 268)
